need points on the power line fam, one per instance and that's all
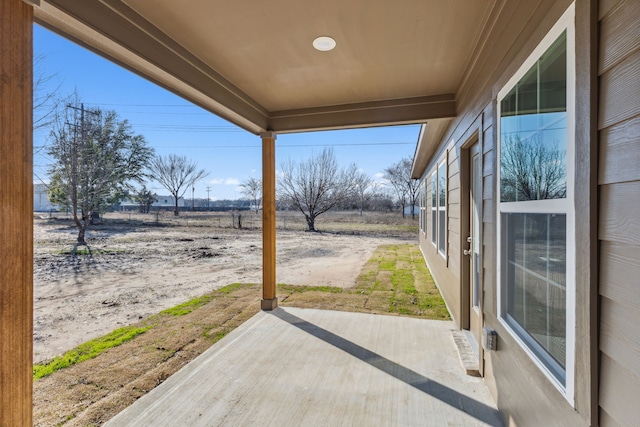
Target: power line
(354, 144)
(144, 105)
(289, 145)
(169, 113)
(186, 126)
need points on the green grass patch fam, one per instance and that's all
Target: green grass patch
(93, 348)
(232, 288)
(196, 303)
(387, 264)
(300, 289)
(87, 350)
(187, 307)
(395, 280)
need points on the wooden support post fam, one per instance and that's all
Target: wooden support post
(269, 299)
(16, 214)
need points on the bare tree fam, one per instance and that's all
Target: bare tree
(398, 176)
(97, 157)
(531, 170)
(379, 198)
(176, 174)
(362, 188)
(316, 185)
(252, 188)
(46, 99)
(47, 103)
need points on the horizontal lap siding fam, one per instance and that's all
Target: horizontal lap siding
(452, 262)
(620, 213)
(620, 335)
(620, 152)
(620, 273)
(488, 216)
(445, 269)
(619, 207)
(619, 92)
(619, 391)
(606, 420)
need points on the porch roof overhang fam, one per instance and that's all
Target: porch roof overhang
(430, 133)
(394, 63)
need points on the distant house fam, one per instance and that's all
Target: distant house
(160, 203)
(416, 210)
(41, 201)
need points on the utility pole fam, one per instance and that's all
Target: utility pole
(208, 189)
(74, 161)
(193, 200)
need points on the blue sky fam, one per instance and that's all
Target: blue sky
(172, 125)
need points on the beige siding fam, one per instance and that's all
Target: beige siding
(445, 270)
(619, 391)
(619, 33)
(620, 273)
(619, 208)
(619, 221)
(618, 92)
(488, 215)
(620, 152)
(620, 335)
(607, 421)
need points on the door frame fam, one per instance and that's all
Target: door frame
(475, 137)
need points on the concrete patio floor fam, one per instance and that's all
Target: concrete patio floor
(303, 367)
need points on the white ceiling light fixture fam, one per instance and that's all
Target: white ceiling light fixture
(324, 43)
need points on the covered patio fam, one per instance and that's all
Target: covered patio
(415, 62)
(311, 367)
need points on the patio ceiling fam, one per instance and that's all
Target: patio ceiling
(254, 65)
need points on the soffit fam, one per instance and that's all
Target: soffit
(385, 50)
(395, 62)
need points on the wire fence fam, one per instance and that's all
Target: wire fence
(342, 221)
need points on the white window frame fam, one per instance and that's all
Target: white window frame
(434, 209)
(563, 206)
(443, 251)
(423, 207)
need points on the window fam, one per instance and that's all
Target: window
(434, 208)
(536, 223)
(442, 208)
(422, 196)
(439, 208)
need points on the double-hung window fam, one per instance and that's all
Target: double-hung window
(434, 208)
(439, 208)
(422, 197)
(536, 234)
(442, 208)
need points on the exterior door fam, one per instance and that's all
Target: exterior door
(475, 241)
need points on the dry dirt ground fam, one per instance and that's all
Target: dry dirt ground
(137, 269)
